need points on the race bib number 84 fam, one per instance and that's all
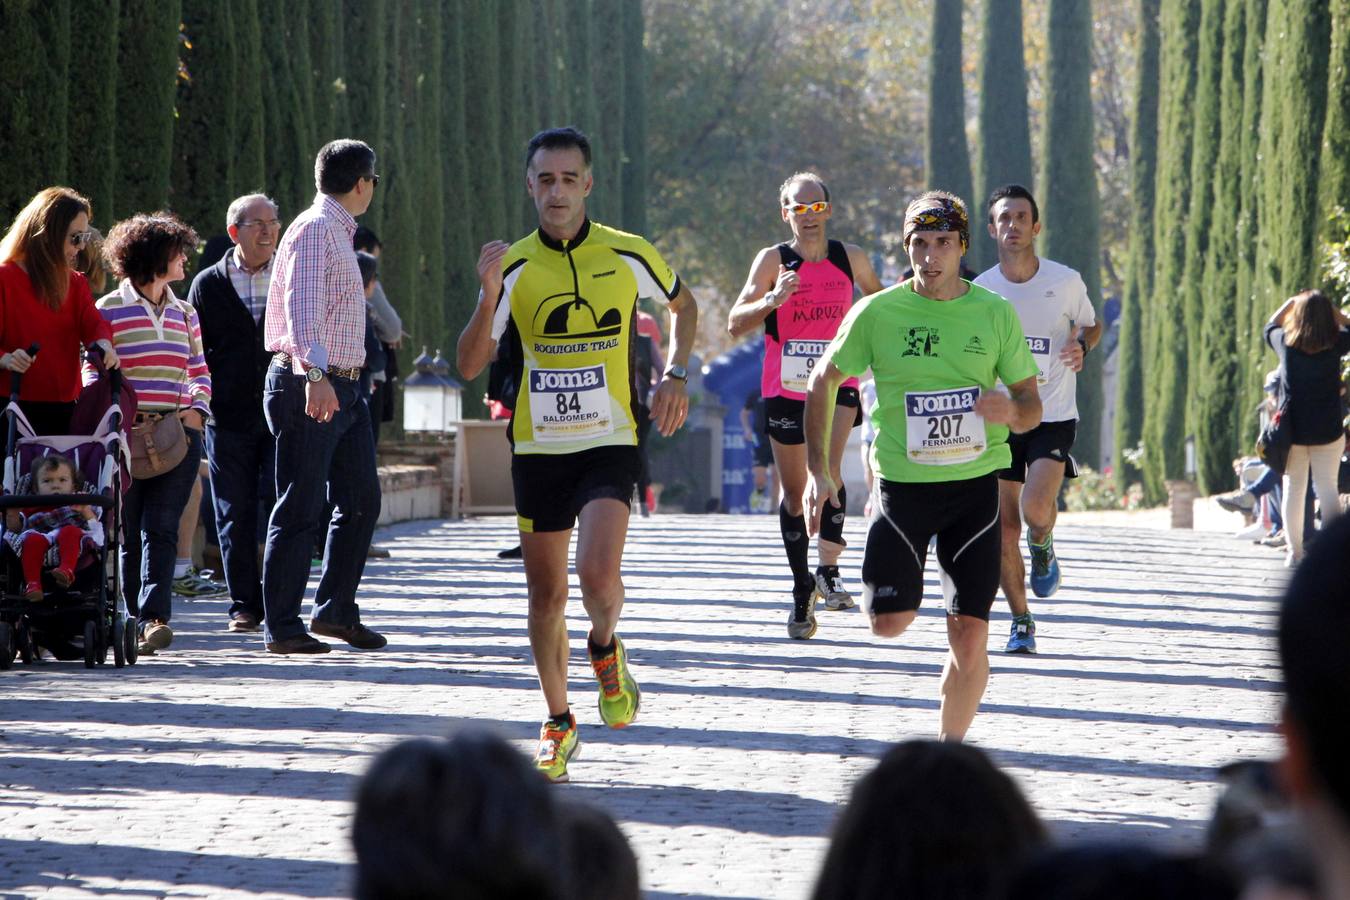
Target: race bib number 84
(566, 404)
(941, 427)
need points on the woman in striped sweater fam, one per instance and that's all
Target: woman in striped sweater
(159, 341)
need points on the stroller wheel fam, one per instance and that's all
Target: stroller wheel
(119, 641)
(23, 636)
(131, 650)
(6, 645)
(90, 644)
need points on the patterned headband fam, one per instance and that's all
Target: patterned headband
(937, 214)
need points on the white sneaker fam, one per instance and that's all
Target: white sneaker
(1251, 532)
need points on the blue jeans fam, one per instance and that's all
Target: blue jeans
(151, 508)
(243, 482)
(316, 461)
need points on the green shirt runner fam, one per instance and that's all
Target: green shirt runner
(931, 360)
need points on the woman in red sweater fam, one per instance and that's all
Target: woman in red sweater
(44, 301)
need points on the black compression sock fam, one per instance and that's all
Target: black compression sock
(598, 652)
(832, 519)
(796, 544)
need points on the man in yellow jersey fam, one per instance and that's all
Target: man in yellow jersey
(565, 297)
(937, 345)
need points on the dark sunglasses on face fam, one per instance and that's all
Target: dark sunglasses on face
(80, 238)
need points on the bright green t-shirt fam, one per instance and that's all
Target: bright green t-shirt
(931, 360)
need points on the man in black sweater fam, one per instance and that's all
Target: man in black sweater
(231, 300)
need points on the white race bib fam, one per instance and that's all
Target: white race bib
(796, 362)
(941, 427)
(1040, 351)
(567, 404)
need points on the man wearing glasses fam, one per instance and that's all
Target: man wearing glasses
(564, 299)
(800, 291)
(231, 302)
(315, 328)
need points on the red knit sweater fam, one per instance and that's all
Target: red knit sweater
(26, 320)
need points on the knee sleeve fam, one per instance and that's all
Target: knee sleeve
(832, 519)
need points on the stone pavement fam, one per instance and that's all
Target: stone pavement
(215, 770)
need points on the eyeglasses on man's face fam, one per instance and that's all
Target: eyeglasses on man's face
(801, 209)
(269, 224)
(373, 179)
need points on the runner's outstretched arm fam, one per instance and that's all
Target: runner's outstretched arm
(670, 402)
(474, 349)
(820, 399)
(1019, 409)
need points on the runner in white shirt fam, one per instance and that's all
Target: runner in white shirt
(1060, 327)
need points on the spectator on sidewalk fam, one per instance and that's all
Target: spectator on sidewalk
(325, 445)
(159, 338)
(1314, 620)
(466, 817)
(48, 303)
(934, 819)
(388, 329)
(231, 300)
(1310, 336)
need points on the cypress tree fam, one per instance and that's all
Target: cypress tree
(555, 96)
(1251, 357)
(325, 54)
(249, 152)
(1335, 166)
(1005, 134)
(946, 156)
(1198, 225)
(35, 141)
(203, 139)
(634, 121)
(607, 77)
(512, 116)
(578, 20)
(1139, 268)
(147, 78)
(365, 49)
(400, 189)
(1165, 410)
(429, 316)
(288, 128)
(92, 113)
(461, 244)
(1069, 204)
(1215, 421)
(482, 93)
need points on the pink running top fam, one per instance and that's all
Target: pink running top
(797, 333)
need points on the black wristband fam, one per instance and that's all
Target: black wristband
(1082, 342)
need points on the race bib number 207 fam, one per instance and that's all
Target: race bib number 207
(566, 404)
(941, 427)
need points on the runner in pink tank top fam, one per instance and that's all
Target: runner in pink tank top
(800, 291)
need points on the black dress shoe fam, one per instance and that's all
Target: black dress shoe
(358, 635)
(301, 643)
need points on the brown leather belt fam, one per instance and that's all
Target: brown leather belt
(349, 374)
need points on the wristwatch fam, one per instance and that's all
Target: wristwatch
(314, 374)
(676, 370)
(1082, 342)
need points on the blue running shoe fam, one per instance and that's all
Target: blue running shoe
(1023, 637)
(1044, 566)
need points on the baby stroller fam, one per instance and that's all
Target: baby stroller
(91, 610)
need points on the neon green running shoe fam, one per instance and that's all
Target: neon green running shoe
(620, 695)
(558, 743)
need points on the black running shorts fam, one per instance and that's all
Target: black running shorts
(1048, 440)
(787, 417)
(905, 517)
(551, 489)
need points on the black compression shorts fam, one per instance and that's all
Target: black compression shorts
(905, 517)
(551, 489)
(787, 417)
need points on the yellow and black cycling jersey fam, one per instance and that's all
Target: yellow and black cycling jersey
(568, 309)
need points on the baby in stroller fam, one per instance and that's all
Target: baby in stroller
(33, 532)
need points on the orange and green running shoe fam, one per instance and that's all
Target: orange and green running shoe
(558, 743)
(620, 696)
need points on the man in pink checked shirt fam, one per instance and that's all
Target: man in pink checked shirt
(316, 319)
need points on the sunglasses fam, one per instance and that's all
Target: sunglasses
(801, 209)
(373, 179)
(80, 238)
